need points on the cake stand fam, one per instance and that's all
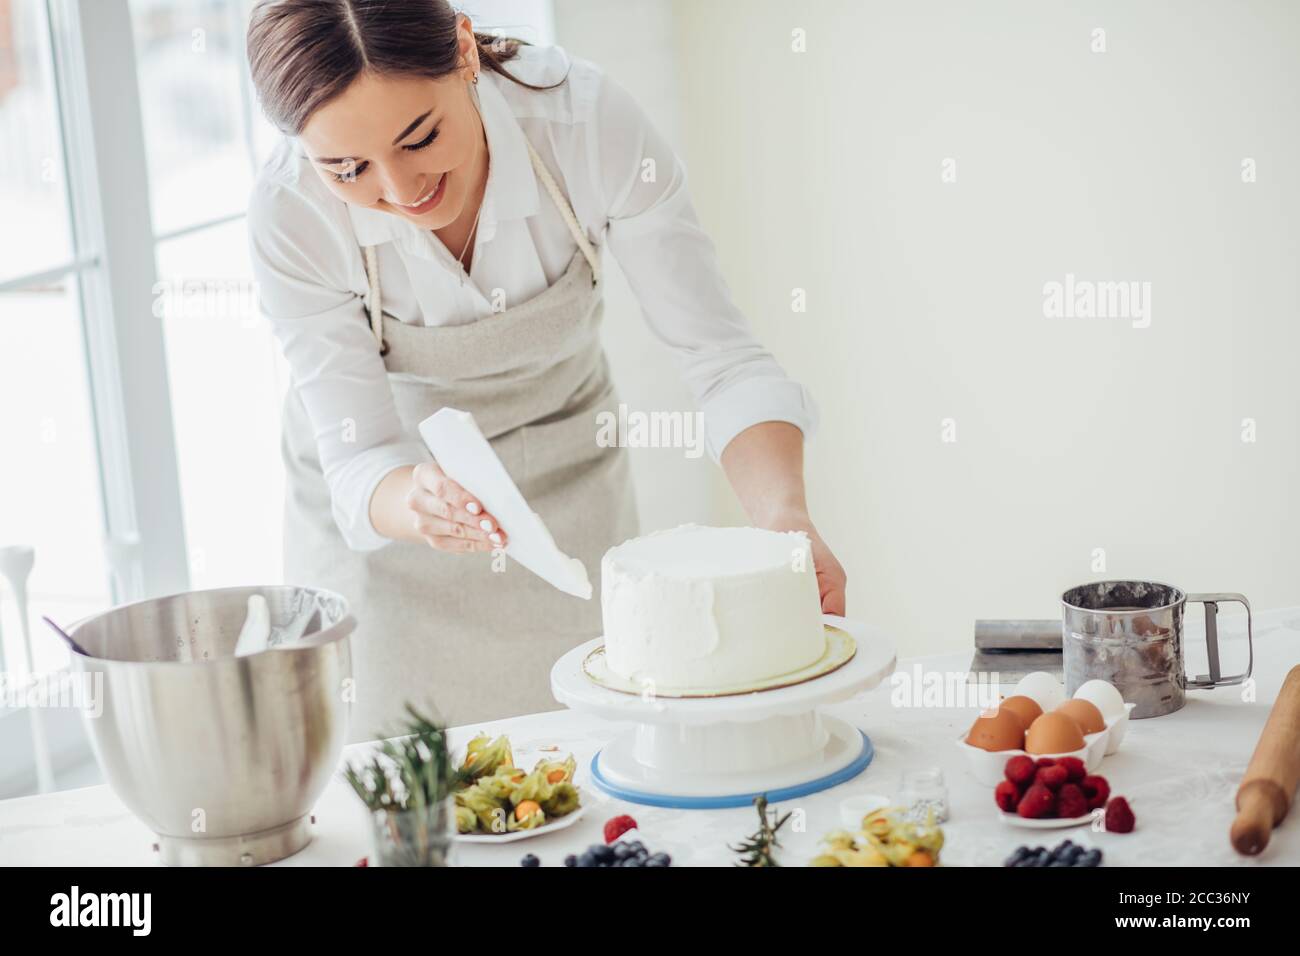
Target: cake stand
(706, 753)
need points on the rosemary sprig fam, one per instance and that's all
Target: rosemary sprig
(756, 850)
(410, 772)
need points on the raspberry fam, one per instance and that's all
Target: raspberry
(1097, 790)
(1074, 767)
(1071, 802)
(615, 827)
(1037, 802)
(1020, 771)
(1119, 818)
(1006, 794)
(1045, 762)
(1053, 777)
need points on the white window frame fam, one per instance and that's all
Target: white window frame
(113, 242)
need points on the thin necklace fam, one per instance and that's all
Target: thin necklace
(472, 230)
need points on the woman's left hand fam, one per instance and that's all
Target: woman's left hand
(831, 579)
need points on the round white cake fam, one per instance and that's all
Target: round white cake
(695, 608)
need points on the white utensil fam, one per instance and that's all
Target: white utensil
(16, 563)
(255, 636)
(464, 454)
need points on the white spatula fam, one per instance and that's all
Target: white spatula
(462, 451)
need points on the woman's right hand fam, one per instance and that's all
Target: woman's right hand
(447, 516)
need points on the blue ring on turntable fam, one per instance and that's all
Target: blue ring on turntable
(725, 801)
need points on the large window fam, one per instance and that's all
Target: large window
(50, 489)
(205, 139)
(140, 391)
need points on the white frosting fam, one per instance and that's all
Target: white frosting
(701, 608)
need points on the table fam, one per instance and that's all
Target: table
(1179, 772)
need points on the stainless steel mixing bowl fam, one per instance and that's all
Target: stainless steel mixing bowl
(221, 756)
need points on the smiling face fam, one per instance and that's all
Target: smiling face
(406, 145)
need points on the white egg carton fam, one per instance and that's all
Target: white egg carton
(988, 765)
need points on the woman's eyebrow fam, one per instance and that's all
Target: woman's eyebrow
(411, 129)
(341, 160)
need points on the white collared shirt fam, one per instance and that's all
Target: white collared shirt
(307, 260)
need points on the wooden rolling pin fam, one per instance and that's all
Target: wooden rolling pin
(1265, 794)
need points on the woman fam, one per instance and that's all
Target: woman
(429, 235)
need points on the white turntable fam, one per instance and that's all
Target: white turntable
(724, 750)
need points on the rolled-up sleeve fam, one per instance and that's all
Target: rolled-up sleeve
(672, 267)
(301, 263)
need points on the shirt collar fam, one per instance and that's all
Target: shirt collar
(511, 191)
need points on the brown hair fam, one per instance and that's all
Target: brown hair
(304, 53)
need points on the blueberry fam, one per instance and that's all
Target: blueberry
(622, 851)
(587, 859)
(602, 852)
(631, 861)
(1091, 858)
(637, 846)
(660, 859)
(570, 860)
(1018, 856)
(530, 861)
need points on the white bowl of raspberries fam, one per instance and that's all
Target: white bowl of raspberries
(1050, 792)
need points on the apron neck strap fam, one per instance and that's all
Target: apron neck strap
(566, 211)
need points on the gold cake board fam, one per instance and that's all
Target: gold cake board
(840, 648)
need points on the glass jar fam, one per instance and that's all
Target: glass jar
(924, 793)
(416, 837)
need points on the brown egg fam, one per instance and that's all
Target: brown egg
(1085, 714)
(997, 730)
(1053, 733)
(1026, 708)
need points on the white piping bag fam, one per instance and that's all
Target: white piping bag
(461, 450)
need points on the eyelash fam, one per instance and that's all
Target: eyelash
(413, 147)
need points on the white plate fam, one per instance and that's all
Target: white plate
(560, 823)
(872, 662)
(1044, 823)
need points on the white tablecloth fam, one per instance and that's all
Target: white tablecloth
(1179, 773)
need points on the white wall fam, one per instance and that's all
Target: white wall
(822, 171)
(632, 40)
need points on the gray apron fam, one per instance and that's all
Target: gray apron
(446, 631)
